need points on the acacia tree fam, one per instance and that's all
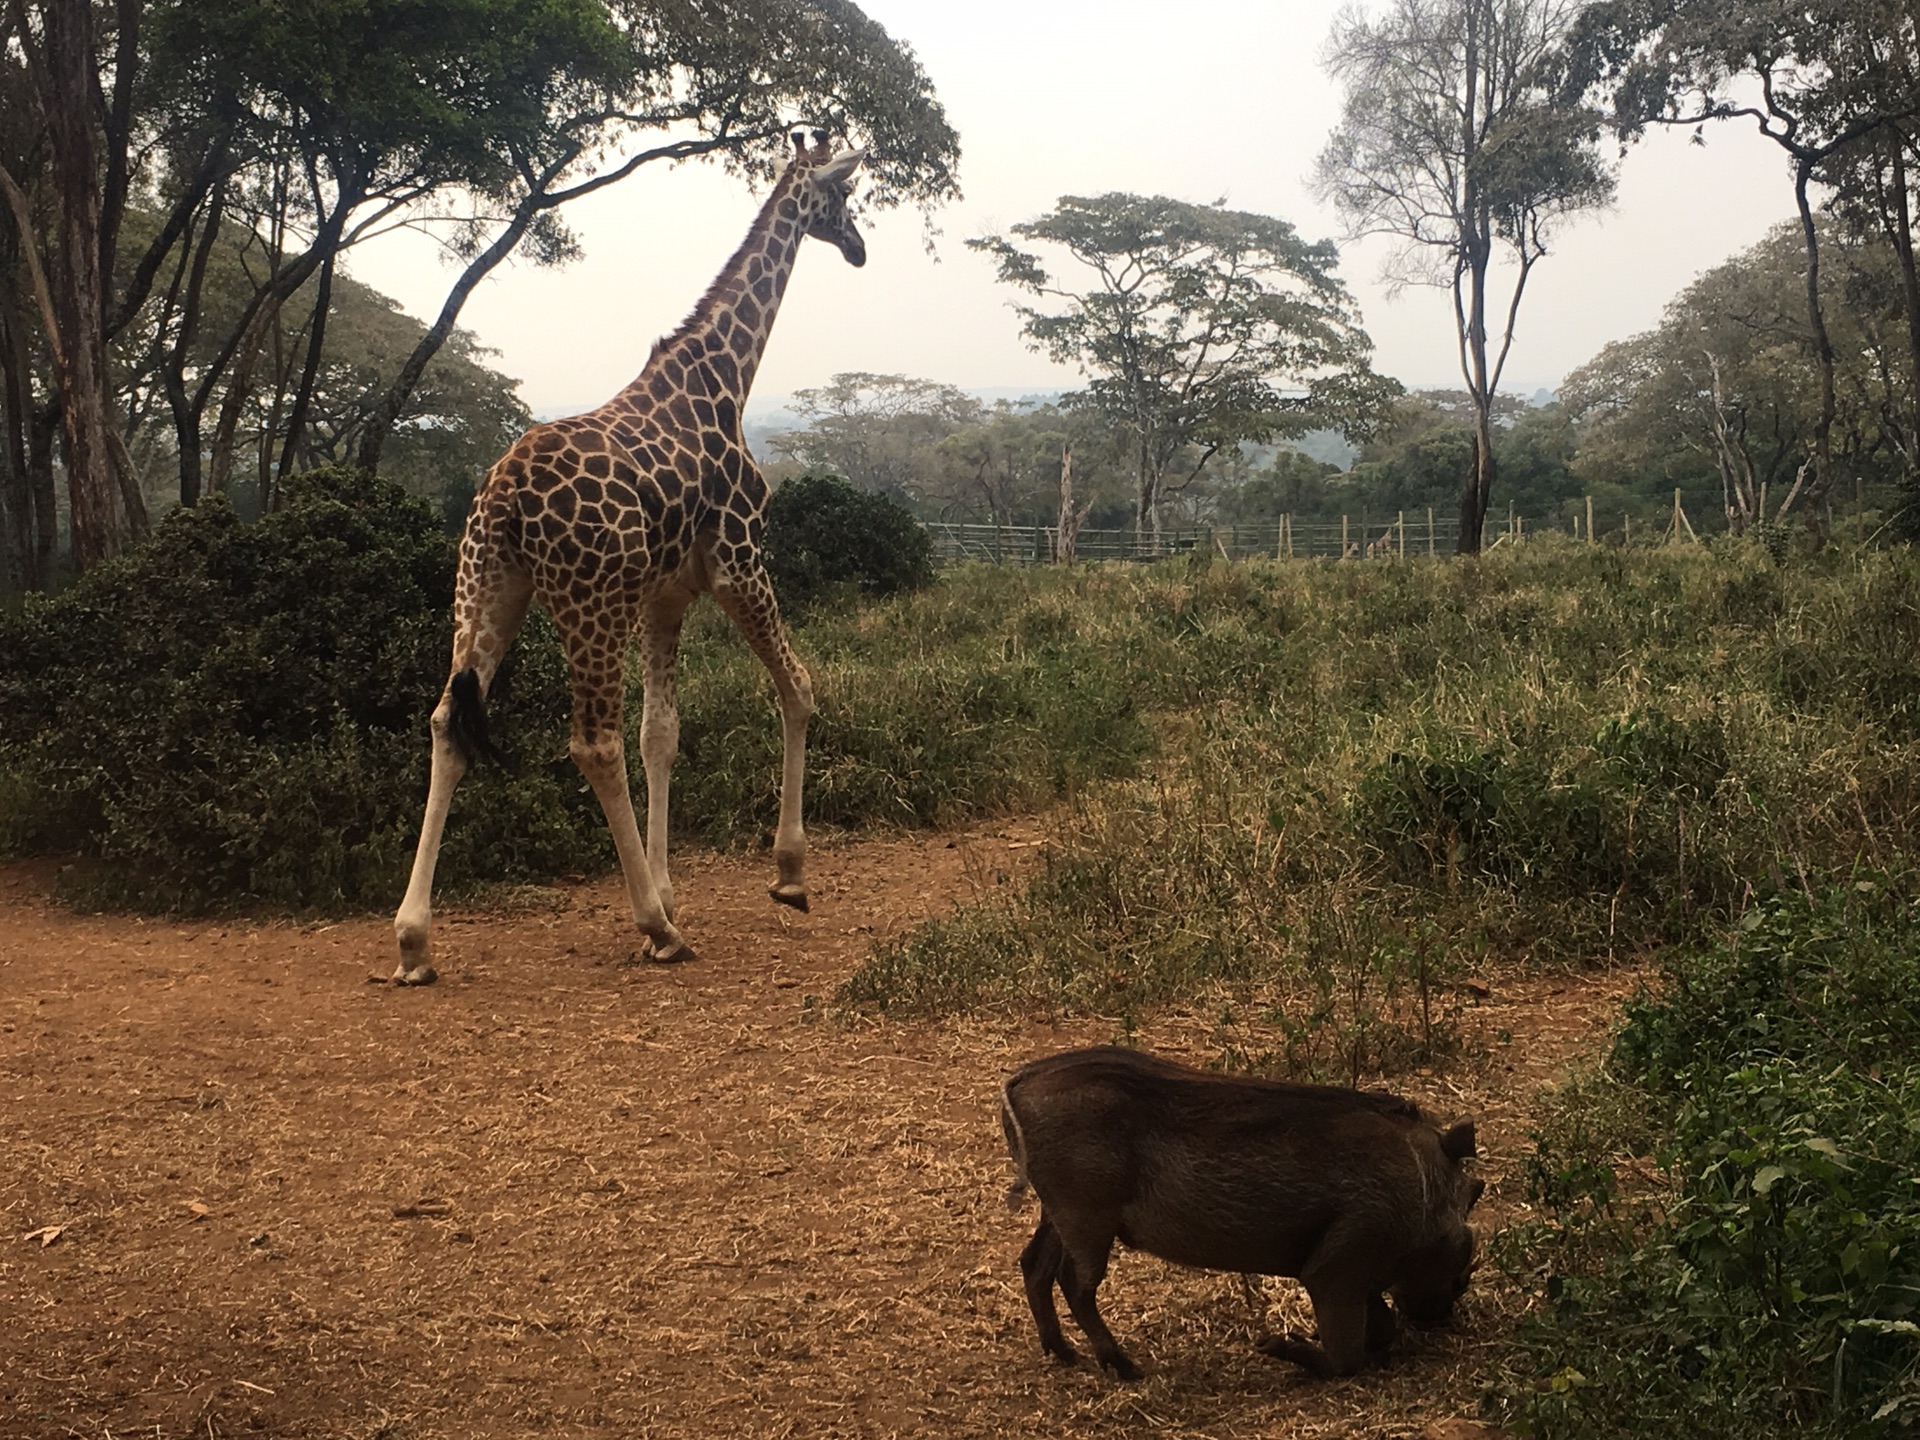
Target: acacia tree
(1206, 327)
(1835, 80)
(1451, 141)
(315, 126)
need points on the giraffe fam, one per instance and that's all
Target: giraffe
(615, 521)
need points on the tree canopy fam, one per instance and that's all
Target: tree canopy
(1723, 396)
(1832, 82)
(1451, 140)
(1203, 328)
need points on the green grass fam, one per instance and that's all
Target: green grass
(1558, 753)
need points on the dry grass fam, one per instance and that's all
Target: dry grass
(658, 1201)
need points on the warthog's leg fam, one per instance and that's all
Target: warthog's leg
(1344, 1313)
(1381, 1328)
(1040, 1266)
(1083, 1265)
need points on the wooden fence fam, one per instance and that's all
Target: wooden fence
(1354, 536)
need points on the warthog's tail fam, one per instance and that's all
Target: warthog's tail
(1016, 1147)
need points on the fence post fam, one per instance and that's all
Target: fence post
(1429, 530)
(1403, 535)
(1589, 520)
(1343, 537)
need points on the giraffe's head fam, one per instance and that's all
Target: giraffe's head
(823, 182)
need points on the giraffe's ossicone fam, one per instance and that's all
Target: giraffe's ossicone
(615, 521)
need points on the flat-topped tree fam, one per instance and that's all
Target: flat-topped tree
(1203, 328)
(618, 519)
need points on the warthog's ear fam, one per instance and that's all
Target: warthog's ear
(1474, 1191)
(1457, 1143)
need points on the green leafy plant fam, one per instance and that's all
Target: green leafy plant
(825, 537)
(1776, 1287)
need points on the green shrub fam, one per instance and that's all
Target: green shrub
(825, 538)
(1491, 812)
(238, 711)
(1777, 1289)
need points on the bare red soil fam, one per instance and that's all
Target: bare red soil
(245, 1191)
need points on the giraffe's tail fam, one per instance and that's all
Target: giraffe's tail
(467, 723)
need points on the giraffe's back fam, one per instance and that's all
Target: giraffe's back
(619, 503)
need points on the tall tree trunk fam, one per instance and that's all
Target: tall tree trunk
(105, 511)
(1819, 493)
(309, 369)
(1470, 310)
(1147, 522)
(187, 409)
(1900, 229)
(1476, 486)
(18, 529)
(226, 428)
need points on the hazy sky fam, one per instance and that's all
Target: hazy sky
(1201, 101)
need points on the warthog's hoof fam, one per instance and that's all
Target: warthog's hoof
(680, 953)
(790, 893)
(1063, 1353)
(1121, 1366)
(1304, 1353)
(421, 974)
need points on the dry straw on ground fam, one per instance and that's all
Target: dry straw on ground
(246, 1192)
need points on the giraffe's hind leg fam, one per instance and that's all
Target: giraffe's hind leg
(594, 664)
(746, 594)
(491, 602)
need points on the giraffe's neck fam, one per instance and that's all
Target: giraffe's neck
(718, 348)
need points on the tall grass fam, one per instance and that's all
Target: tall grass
(1562, 752)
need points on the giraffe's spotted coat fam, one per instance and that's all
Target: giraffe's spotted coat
(614, 521)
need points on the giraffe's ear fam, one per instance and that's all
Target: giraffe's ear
(839, 170)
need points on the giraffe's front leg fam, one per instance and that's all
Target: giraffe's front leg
(747, 596)
(604, 763)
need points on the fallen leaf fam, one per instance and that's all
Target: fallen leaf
(200, 1210)
(46, 1234)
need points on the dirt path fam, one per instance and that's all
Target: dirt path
(561, 1193)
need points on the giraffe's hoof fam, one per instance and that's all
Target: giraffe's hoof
(421, 974)
(679, 953)
(790, 893)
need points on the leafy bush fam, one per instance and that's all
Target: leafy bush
(826, 537)
(1778, 1289)
(239, 711)
(1492, 812)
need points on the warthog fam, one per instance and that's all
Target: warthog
(1352, 1192)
